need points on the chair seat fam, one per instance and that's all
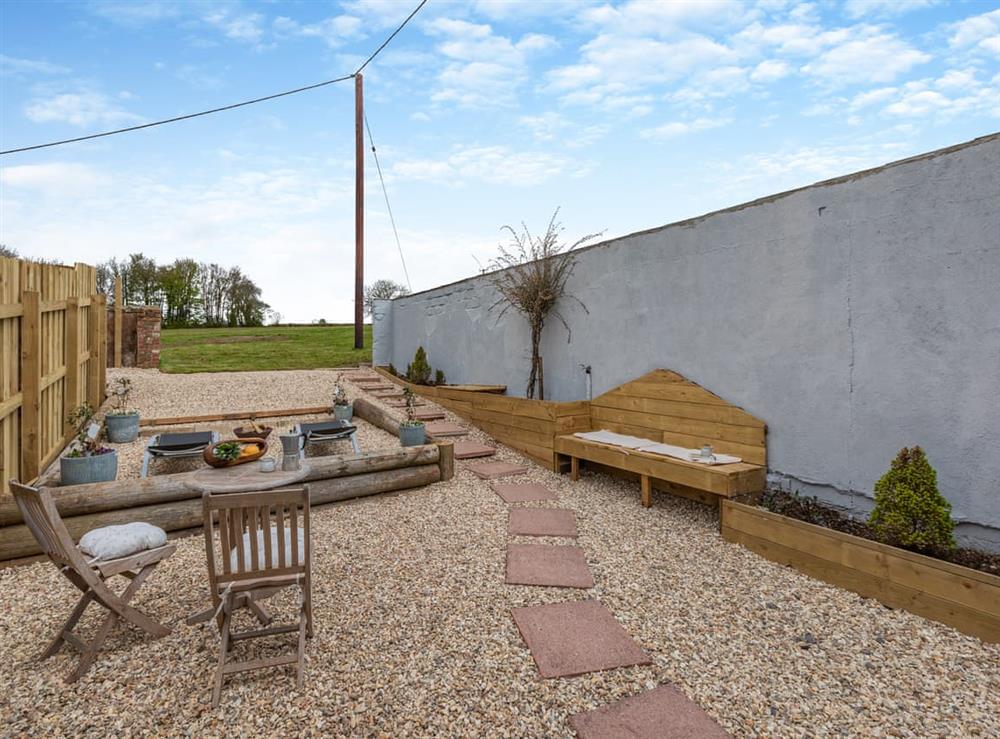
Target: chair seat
(115, 542)
(183, 442)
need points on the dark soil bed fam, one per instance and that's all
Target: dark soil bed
(812, 511)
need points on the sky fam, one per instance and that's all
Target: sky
(626, 115)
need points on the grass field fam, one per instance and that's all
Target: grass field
(267, 348)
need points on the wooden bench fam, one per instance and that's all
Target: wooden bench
(666, 407)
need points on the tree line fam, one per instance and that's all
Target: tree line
(190, 293)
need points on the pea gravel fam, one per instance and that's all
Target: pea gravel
(414, 635)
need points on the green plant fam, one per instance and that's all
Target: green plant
(228, 451)
(339, 394)
(438, 377)
(121, 389)
(392, 369)
(87, 445)
(411, 413)
(909, 510)
(419, 371)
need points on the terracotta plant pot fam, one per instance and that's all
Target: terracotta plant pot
(252, 449)
(242, 432)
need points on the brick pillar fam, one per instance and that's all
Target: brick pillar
(147, 329)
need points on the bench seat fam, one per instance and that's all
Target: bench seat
(724, 480)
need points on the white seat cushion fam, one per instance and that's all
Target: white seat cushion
(112, 542)
(248, 553)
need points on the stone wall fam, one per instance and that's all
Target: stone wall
(140, 336)
(855, 316)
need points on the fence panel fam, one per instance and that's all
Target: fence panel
(52, 336)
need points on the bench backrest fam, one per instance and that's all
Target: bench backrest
(665, 406)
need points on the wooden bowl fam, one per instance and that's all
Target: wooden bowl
(245, 433)
(259, 444)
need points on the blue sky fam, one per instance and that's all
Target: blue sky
(628, 115)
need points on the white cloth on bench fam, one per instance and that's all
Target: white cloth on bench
(655, 447)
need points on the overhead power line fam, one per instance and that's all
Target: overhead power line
(224, 107)
(388, 207)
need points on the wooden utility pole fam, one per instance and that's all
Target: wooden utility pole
(359, 213)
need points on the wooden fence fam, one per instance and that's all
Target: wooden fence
(53, 344)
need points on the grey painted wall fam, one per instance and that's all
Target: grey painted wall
(855, 317)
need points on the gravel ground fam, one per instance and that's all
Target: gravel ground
(414, 635)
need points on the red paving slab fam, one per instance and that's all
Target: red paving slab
(473, 449)
(568, 639)
(429, 414)
(548, 565)
(523, 492)
(662, 713)
(541, 522)
(401, 402)
(445, 428)
(492, 470)
(390, 393)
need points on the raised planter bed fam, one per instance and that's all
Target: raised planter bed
(966, 599)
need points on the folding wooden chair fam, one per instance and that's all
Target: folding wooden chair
(257, 544)
(91, 577)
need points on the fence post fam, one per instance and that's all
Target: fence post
(31, 384)
(72, 360)
(118, 322)
(103, 386)
(94, 344)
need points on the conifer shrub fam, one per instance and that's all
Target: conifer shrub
(438, 377)
(419, 371)
(909, 510)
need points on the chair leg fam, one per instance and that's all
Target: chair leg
(227, 615)
(354, 443)
(145, 464)
(300, 678)
(307, 595)
(262, 614)
(93, 647)
(59, 639)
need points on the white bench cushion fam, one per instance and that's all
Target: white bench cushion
(113, 542)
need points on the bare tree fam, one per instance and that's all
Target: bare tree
(6, 251)
(382, 290)
(531, 275)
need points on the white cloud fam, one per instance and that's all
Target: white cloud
(770, 70)
(494, 165)
(131, 13)
(484, 69)
(235, 25)
(979, 32)
(655, 17)
(681, 128)
(13, 65)
(870, 56)
(333, 31)
(60, 178)
(881, 8)
(78, 109)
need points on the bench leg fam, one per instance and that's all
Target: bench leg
(647, 492)
(574, 469)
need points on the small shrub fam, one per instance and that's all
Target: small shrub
(411, 409)
(392, 369)
(419, 371)
(909, 510)
(438, 377)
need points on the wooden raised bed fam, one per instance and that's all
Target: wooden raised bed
(530, 426)
(966, 599)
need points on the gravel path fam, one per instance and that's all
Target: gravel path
(414, 634)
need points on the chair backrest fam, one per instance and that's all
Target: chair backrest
(43, 520)
(259, 535)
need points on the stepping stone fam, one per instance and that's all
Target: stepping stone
(376, 388)
(428, 414)
(541, 522)
(523, 492)
(662, 712)
(548, 565)
(492, 470)
(445, 428)
(401, 402)
(569, 639)
(389, 393)
(472, 449)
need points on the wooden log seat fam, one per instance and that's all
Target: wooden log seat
(666, 407)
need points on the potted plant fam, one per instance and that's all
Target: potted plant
(343, 410)
(252, 430)
(86, 460)
(121, 421)
(411, 431)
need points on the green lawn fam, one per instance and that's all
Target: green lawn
(267, 348)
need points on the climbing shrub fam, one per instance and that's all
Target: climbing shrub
(419, 371)
(909, 510)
